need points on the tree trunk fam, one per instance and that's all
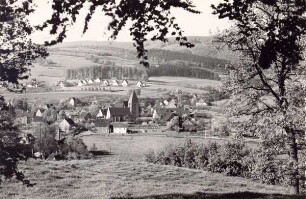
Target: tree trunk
(293, 154)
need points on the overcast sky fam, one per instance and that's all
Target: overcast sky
(192, 24)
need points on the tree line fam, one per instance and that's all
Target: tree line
(182, 71)
(106, 72)
(159, 56)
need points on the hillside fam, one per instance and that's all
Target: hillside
(204, 60)
(93, 179)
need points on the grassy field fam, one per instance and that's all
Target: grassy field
(93, 179)
(134, 147)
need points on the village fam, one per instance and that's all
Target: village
(130, 115)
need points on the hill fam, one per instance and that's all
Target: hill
(203, 59)
(93, 179)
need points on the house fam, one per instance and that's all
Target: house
(201, 103)
(97, 80)
(37, 120)
(114, 82)
(84, 82)
(80, 83)
(119, 128)
(47, 106)
(189, 126)
(105, 83)
(86, 116)
(89, 81)
(66, 125)
(117, 114)
(140, 84)
(31, 85)
(63, 84)
(39, 112)
(171, 105)
(102, 126)
(74, 101)
(125, 83)
(165, 102)
(101, 113)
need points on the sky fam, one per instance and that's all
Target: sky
(203, 24)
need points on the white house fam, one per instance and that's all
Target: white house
(105, 83)
(39, 113)
(101, 113)
(201, 103)
(98, 80)
(80, 83)
(84, 82)
(166, 102)
(89, 81)
(115, 82)
(120, 128)
(125, 83)
(140, 84)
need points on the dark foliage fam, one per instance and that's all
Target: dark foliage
(19, 51)
(162, 56)
(182, 71)
(233, 158)
(10, 149)
(106, 72)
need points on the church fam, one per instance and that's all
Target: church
(129, 112)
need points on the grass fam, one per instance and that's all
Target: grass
(92, 179)
(134, 147)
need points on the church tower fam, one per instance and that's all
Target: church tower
(134, 105)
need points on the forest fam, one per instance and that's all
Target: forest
(106, 72)
(131, 73)
(166, 56)
(182, 71)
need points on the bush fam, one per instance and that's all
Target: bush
(232, 158)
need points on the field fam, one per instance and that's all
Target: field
(87, 179)
(134, 147)
(156, 87)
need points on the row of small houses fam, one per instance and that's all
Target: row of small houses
(112, 82)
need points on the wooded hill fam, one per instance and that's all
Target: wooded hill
(119, 60)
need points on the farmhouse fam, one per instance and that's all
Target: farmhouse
(140, 84)
(115, 82)
(86, 116)
(63, 84)
(39, 112)
(101, 113)
(66, 125)
(201, 103)
(117, 114)
(80, 83)
(188, 126)
(105, 83)
(119, 128)
(89, 81)
(102, 126)
(125, 83)
(74, 102)
(97, 80)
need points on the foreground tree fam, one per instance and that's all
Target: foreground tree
(9, 146)
(266, 86)
(17, 53)
(17, 50)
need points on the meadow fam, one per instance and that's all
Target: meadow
(104, 179)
